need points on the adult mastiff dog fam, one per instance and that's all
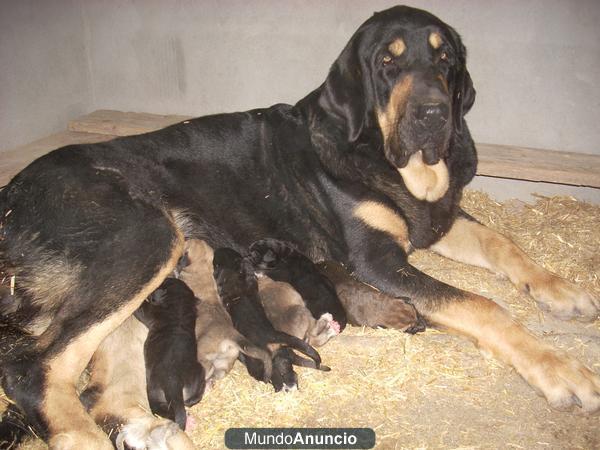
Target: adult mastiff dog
(365, 168)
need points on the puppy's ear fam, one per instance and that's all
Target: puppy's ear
(344, 93)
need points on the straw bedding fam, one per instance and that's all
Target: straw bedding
(433, 390)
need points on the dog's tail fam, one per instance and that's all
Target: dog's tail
(298, 344)
(253, 351)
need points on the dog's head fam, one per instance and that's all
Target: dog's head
(403, 76)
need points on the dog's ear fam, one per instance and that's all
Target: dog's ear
(344, 93)
(463, 96)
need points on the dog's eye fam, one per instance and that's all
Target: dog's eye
(386, 60)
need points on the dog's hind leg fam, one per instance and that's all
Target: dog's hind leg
(117, 396)
(116, 275)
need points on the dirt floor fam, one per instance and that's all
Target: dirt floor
(433, 390)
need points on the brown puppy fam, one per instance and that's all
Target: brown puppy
(287, 312)
(219, 343)
(365, 305)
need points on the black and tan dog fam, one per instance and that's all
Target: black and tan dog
(368, 166)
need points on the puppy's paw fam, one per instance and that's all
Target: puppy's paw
(563, 299)
(152, 433)
(324, 329)
(565, 382)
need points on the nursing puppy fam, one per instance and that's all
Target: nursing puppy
(288, 313)
(174, 377)
(281, 262)
(218, 343)
(366, 305)
(238, 289)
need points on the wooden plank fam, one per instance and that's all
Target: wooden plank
(531, 164)
(119, 123)
(14, 160)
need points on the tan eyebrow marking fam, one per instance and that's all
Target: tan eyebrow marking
(435, 40)
(397, 47)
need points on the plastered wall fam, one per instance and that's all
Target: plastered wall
(535, 63)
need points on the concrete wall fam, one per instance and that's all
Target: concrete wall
(44, 68)
(533, 62)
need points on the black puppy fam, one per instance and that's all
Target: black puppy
(282, 262)
(174, 376)
(238, 290)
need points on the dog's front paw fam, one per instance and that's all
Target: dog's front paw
(564, 300)
(565, 382)
(152, 433)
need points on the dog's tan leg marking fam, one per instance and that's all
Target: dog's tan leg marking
(475, 244)
(118, 367)
(69, 426)
(382, 218)
(561, 379)
(425, 182)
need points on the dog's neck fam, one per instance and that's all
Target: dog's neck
(363, 162)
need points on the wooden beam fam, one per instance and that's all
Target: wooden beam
(532, 164)
(13, 161)
(119, 123)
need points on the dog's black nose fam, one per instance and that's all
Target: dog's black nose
(432, 115)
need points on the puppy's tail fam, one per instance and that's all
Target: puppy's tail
(300, 345)
(251, 350)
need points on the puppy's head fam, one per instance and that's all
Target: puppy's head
(172, 297)
(284, 377)
(232, 275)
